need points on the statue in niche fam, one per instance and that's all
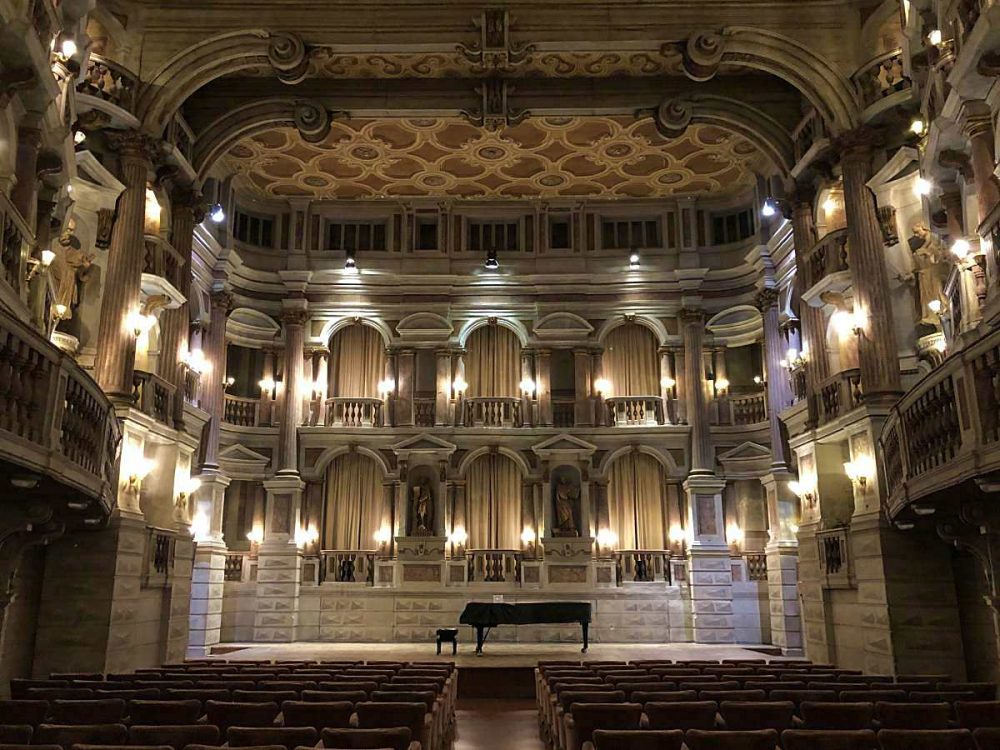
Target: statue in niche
(930, 267)
(70, 270)
(422, 509)
(567, 496)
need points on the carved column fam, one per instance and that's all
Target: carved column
(543, 383)
(405, 384)
(693, 332)
(213, 395)
(977, 123)
(24, 192)
(813, 325)
(186, 211)
(443, 402)
(878, 354)
(115, 359)
(294, 320)
(583, 377)
(779, 394)
(680, 389)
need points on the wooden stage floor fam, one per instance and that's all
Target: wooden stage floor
(509, 655)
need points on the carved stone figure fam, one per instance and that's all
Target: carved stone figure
(70, 269)
(567, 497)
(422, 508)
(930, 269)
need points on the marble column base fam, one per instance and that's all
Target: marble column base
(711, 589)
(207, 584)
(783, 597)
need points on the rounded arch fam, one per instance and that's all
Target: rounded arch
(513, 455)
(251, 328)
(656, 326)
(336, 325)
(327, 457)
(224, 132)
(738, 325)
(519, 329)
(665, 460)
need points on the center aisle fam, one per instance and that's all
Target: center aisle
(497, 725)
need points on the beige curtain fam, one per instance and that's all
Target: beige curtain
(357, 362)
(493, 500)
(353, 503)
(493, 362)
(636, 502)
(631, 361)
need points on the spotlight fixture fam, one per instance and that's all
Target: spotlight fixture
(216, 213)
(492, 262)
(935, 37)
(961, 248)
(79, 137)
(922, 187)
(350, 262)
(918, 126)
(68, 48)
(633, 260)
(769, 209)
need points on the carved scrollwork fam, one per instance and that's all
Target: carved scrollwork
(312, 121)
(287, 54)
(703, 55)
(673, 117)
(494, 50)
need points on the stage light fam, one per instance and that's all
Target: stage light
(769, 208)
(216, 213)
(633, 261)
(922, 187)
(918, 126)
(492, 262)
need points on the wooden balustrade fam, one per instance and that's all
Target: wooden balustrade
(192, 387)
(881, 77)
(642, 566)
(16, 240)
(749, 408)
(53, 417)
(424, 412)
(840, 394)
(494, 565)
(180, 135)
(353, 412)
(153, 396)
(756, 563)
(491, 412)
(946, 429)
(835, 557)
(107, 80)
(810, 131)
(827, 256)
(162, 260)
(242, 412)
(563, 412)
(159, 559)
(349, 566)
(634, 411)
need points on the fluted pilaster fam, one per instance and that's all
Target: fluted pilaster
(693, 332)
(186, 212)
(977, 123)
(804, 237)
(213, 399)
(115, 359)
(291, 414)
(779, 393)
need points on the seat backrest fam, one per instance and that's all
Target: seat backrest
(334, 696)
(28, 712)
(57, 694)
(985, 691)
(828, 739)
(975, 714)
(925, 739)
(165, 712)
(340, 684)
(317, 715)
(837, 715)
(16, 734)
(732, 695)
(630, 688)
(264, 696)
(427, 697)
(397, 738)
(913, 715)
(681, 714)
(798, 697)
(568, 697)
(19, 686)
(397, 714)
(233, 714)
(590, 716)
(638, 739)
(68, 735)
(741, 715)
(200, 694)
(177, 736)
(873, 696)
(663, 696)
(760, 739)
(130, 694)
(984, 737)
(287, 737)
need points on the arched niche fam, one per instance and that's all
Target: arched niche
(654, 324)
(251, 328)
(567, 503)
(514, 325)
(425, 494)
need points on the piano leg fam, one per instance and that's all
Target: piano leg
(586, 628)
(479, 639)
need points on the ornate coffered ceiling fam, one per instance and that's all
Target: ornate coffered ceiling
(449, 157)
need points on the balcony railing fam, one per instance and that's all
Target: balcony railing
(349, 566)
(947, 428)
(642, 566)
(192, 387)
(491, 412)
(840, 394)
(162, 260)
(634, 411)
(180, 135)
(424, 411)
(827, 256)
(881, 77)
(810, 131)
(153, 396)
(159, 560)
(15, 241)
(110, 82)
(563, 413)
(52, 415)
(749, 408)
(835, 558)
(756, 566)
(353, 412)
(242, 412)
(494, 565)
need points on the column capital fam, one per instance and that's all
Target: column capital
(766, 299)
(222, 298)
(186, 198)
(857, 144)
(294, 317)
(976, 118)
(133, 145)
(691, 315)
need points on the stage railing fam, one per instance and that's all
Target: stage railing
(642, 566)
(348, 566)
(634, 411)
(494, 565)
(353, 412)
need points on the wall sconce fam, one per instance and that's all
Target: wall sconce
(383, 536)
(305, 537)
(734, 535)
(350, 262)
(153, 212)
(803, 488)
(667, 382)
(633, 261)
(256, 535)
(267, 387)
(139, 323)
(386, 387)
(606, 541)
(918, 127)
(59, 312)
(217, 214)
(922, 187)
(603, 387)
(228, 383)
(188, 487)
(676, 535)
(793, 359)
(935, 37)
(196, 362)
(201, 526)
(528, 387)
(528, 539)
(860, 470)
(457, 539)
(830, 205)
(35, 265)
(769, 209)
(138, 467)
(459, 387)
(961, 248)
(721, 387)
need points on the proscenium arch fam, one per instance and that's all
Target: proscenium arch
(656, 326)
(335, 326)
(516, 326)
(515, 456)
(670, 468)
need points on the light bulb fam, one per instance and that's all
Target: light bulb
(676, 534)
(934, 305)
(633, 261)
(961, 248)
(607, 538)
(492, 262)
(528, 535)
(667, 382)
(256, 535)
(79, 137)
(768, 209)
(68, 48)
(528, 386)
(267, 384)
(734, 534)
(383, 535)
(603, 386)
(757, 379)
(917, 127)
(935, 37)
(458, 536)
(830, 205)
(47, 257)
(922, 186)
(459, 385)
(216, 214)
(190, 485)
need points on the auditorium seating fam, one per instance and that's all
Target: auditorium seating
(204, 705)
(758, 706)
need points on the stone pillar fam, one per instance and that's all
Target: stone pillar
(25, 190)
(543, 384)
(213, 395)
(968, 268)
(185, 212)
(405, 383)
(779, 394)
(208, 578)
(294, 318)
(878, 354)
(693, 331)
(668, 383)
(680, 390)
(115, 359)
(442, 406)
(812, 321)
(782, 554)
(977, 123)
(583, 380)
(279, 574)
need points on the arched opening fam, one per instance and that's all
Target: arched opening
(637, 502)
(493, 500)
(631, 361)
(357, 362)
(353, 506)
(493, 362)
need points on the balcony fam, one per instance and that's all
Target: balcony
(946, 430)
(53, 417)
(348, 566)
(635, 411)
(163, 261)
(15, 241)
(424, 411)
(839, 395)
(827, 257)
(494, 565)
(642, 566)
(242, 412)
(835, 558)
(354, 412)
(744, 409)
(881, 84)
(108, 82)
(491, 412)
(563, 412)
(809, 138)
(153, 396)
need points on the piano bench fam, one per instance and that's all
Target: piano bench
(448, 635)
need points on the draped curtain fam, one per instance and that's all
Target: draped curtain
(636, 502)
(353, 503)
(493, 498)
(493, 362)
(357, 362)
(631, 361)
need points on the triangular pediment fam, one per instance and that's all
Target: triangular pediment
(424, 443)
(747, 450)
(238, 459)
(564, 443)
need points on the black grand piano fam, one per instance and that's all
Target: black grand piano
(486, 615)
